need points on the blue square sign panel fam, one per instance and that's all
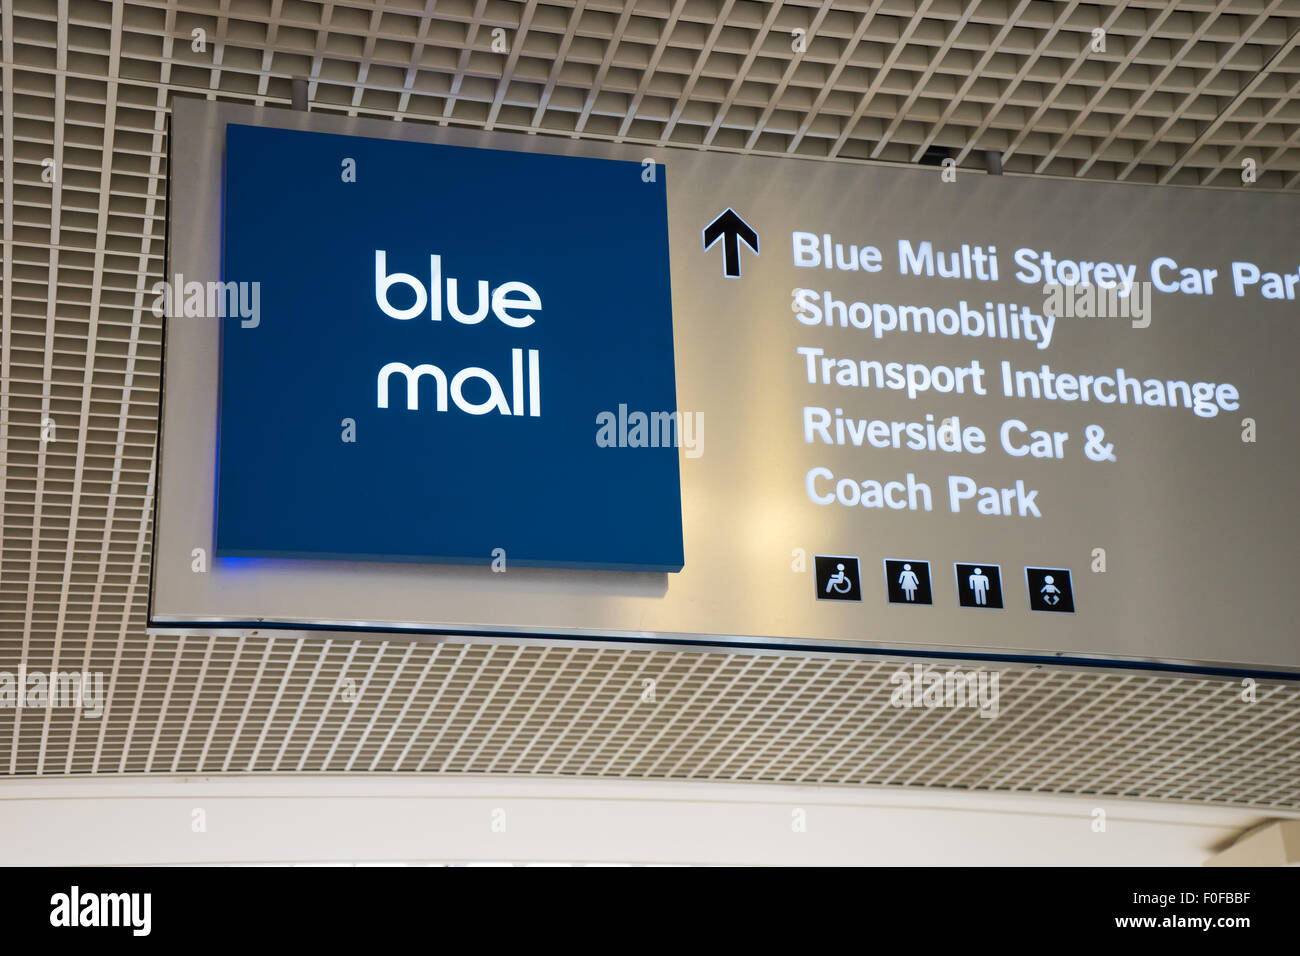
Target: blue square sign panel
(453, 351)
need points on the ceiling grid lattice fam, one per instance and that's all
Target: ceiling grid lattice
(1182, 94)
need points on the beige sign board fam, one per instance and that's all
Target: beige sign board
(870, 409)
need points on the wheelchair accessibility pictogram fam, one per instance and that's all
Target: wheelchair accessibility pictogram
(837, 578)
(839, 581)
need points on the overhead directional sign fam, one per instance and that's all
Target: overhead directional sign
(541, 389)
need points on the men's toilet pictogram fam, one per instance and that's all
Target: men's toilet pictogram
(979, 585)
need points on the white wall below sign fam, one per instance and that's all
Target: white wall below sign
(426, 819)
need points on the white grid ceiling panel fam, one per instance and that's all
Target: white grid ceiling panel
(1182, 94)
(276, 704)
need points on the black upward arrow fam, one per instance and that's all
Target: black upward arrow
(733, 230)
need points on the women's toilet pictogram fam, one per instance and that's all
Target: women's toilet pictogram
(908, 581)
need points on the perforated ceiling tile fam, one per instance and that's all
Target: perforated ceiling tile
(209, 705)
(1181, 93)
